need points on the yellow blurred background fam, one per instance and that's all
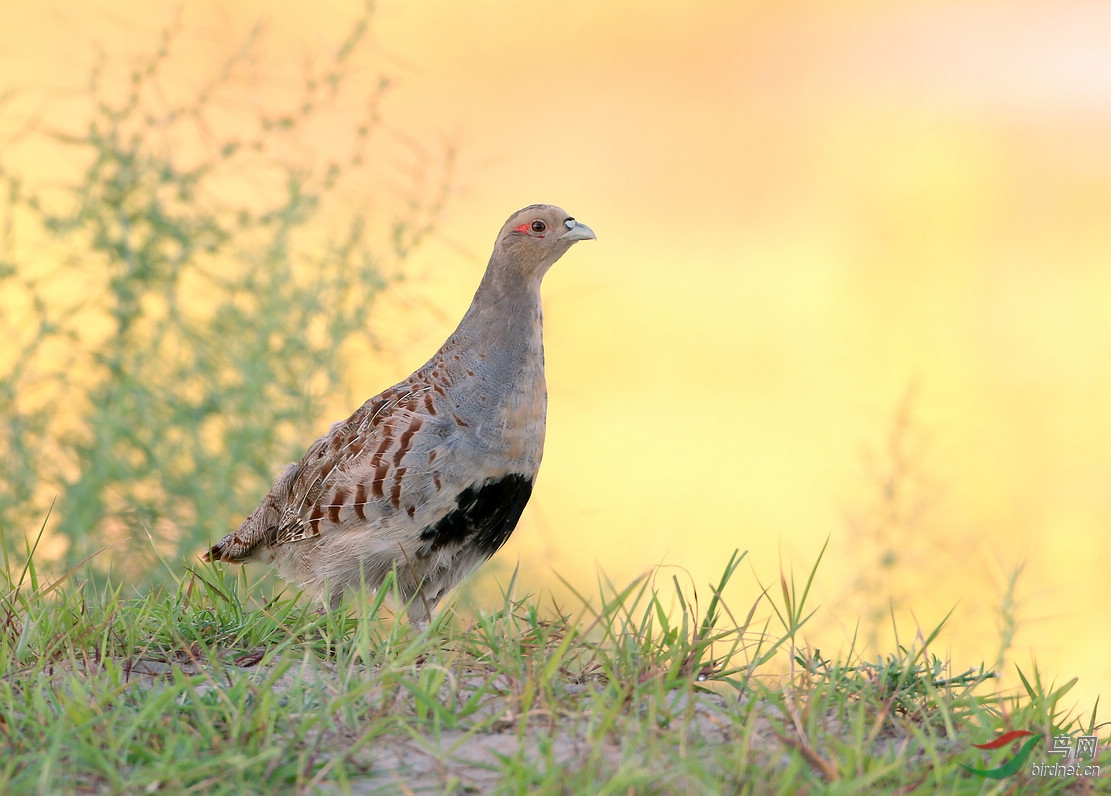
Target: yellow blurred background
(852, 281)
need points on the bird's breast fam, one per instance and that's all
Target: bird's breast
(498, 395)
(522, 418)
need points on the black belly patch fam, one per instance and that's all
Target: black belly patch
(484, 516)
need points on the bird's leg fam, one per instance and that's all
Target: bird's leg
(420, 610)
(335, 599)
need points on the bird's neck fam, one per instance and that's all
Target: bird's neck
(505, 318)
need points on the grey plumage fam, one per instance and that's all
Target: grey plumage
(431, 475)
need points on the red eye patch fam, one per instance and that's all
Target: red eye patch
(524, 228)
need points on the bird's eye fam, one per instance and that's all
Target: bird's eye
(538, 226)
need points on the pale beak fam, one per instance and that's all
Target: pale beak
(579, 232)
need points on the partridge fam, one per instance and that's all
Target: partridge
(428, 478)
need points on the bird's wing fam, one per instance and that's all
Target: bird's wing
(354, 472)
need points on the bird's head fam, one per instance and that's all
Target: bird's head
(534, 238)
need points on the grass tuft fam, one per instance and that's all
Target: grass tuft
(638, 688)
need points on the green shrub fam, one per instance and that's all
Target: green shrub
(174, 336)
